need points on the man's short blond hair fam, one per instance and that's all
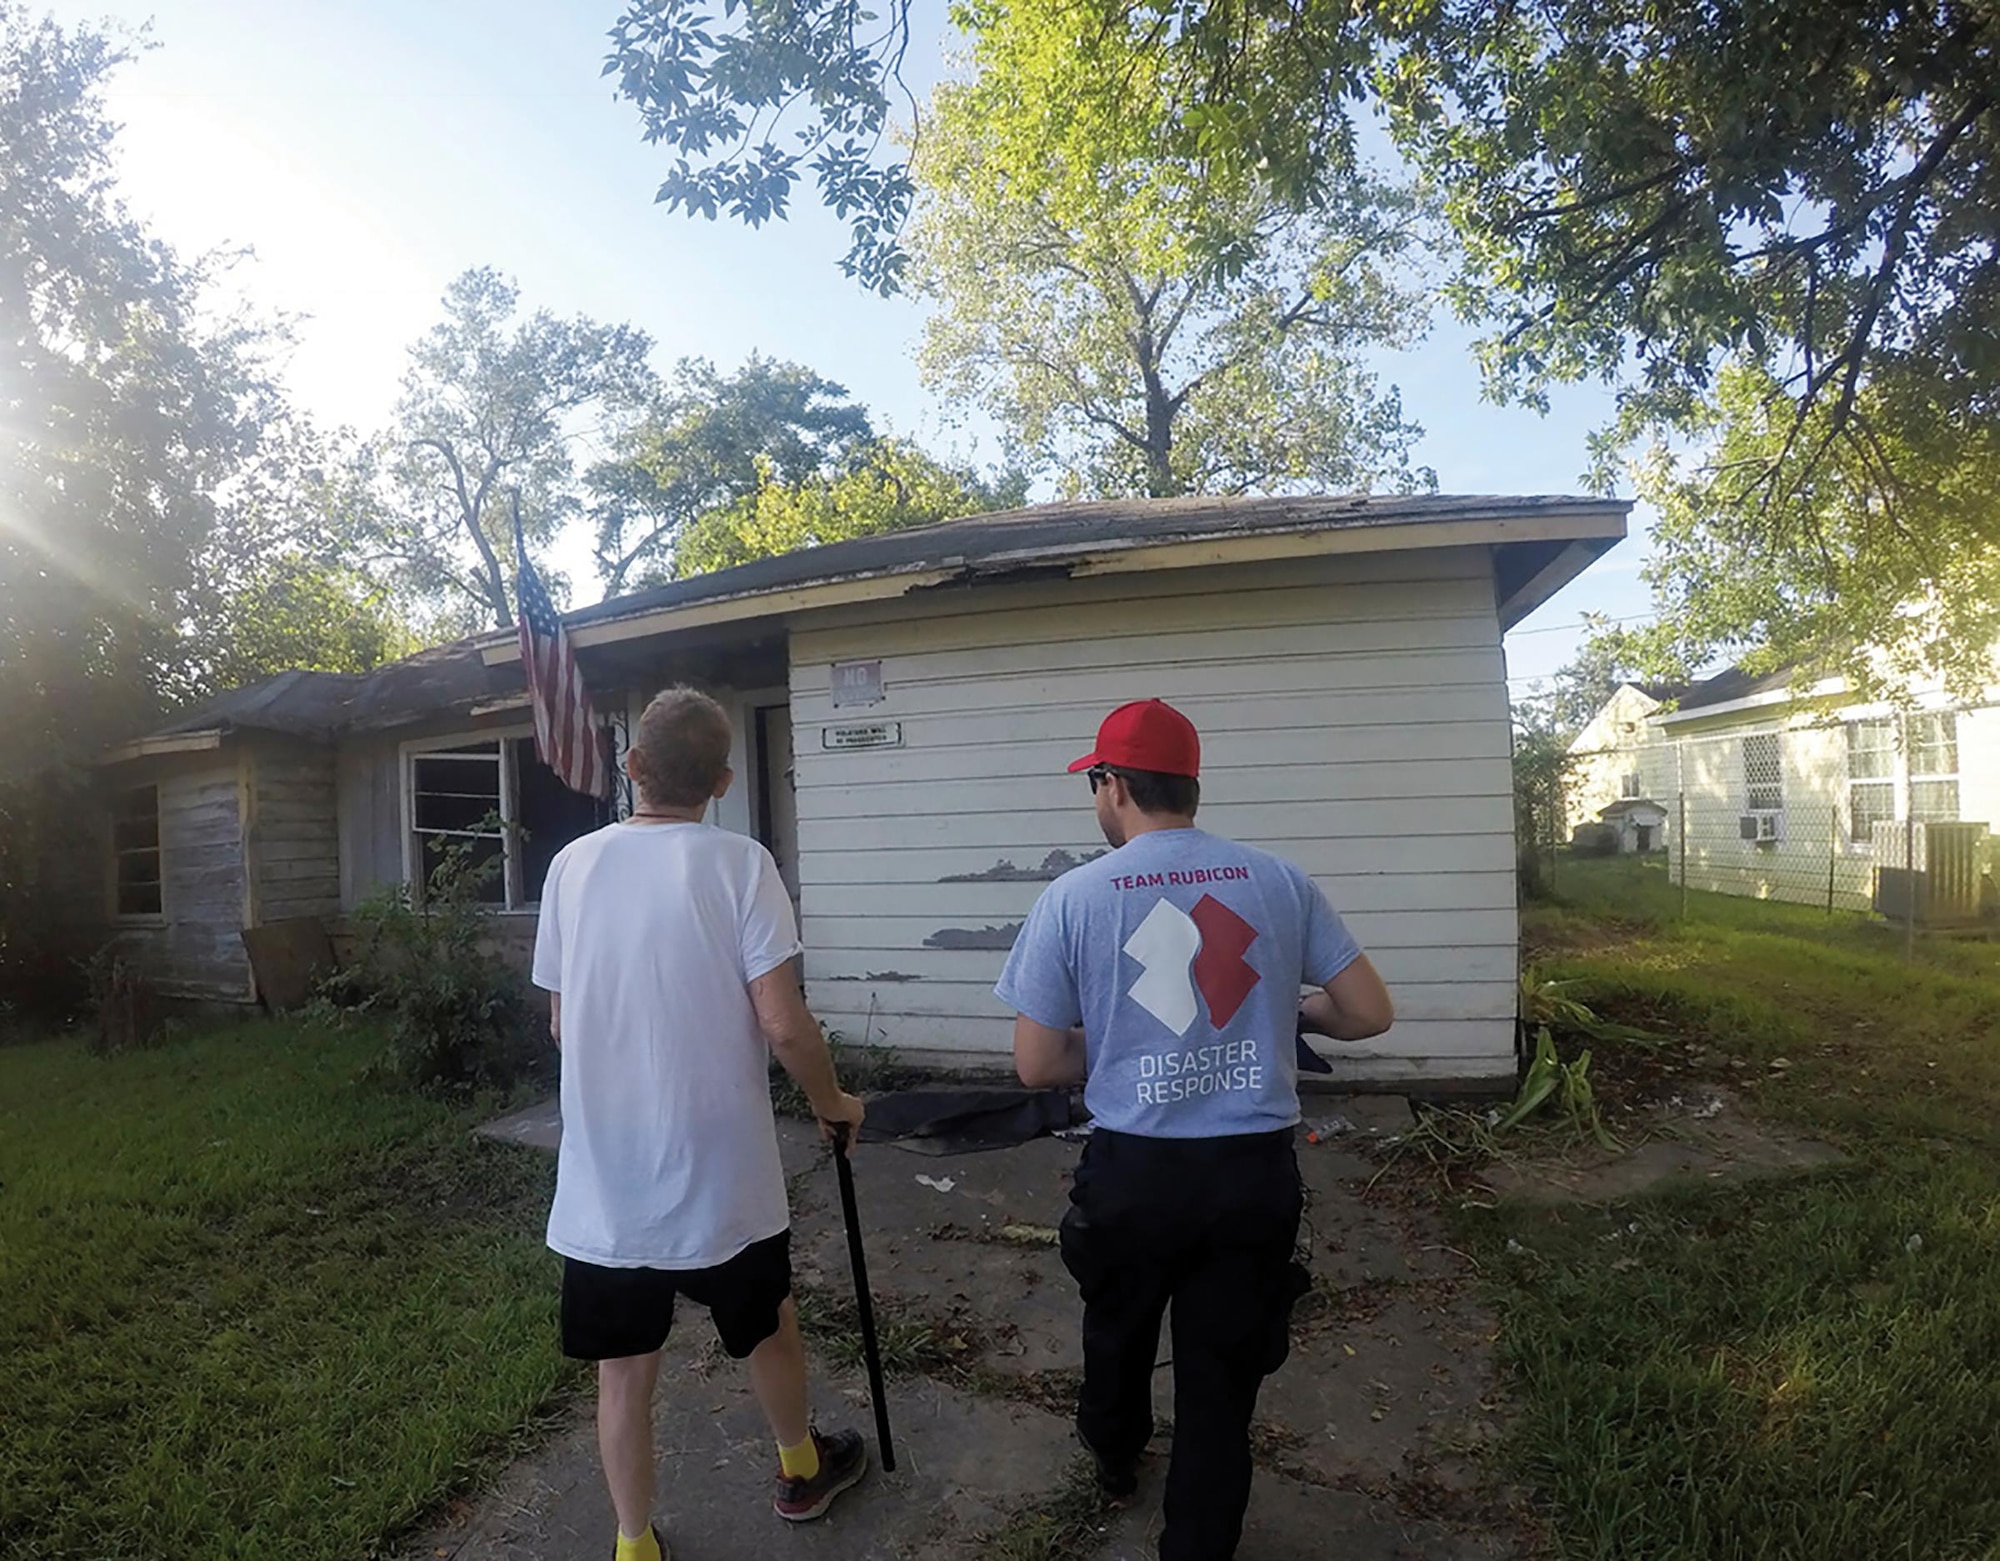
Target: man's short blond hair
(682, 746)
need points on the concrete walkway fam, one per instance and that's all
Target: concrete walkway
(1365, 1440)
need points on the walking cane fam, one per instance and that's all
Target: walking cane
(863, 1301)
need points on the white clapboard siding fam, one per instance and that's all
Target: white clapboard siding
(1149, 642)
(1255, 805)
(1434, 568)
(1354, 719)
(1324, 859)
(195, 949)
(944, 749)
(847, 927)
(945, 904)
(1416, 1001)
(1400, 966)
(1446, 1053)
(1351, 688)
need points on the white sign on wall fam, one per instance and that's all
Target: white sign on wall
(857, 683)
(874, 734)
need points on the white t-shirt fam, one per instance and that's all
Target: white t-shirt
(652, 933)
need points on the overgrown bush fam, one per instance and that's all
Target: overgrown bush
(1594, 840)
(458, 1015)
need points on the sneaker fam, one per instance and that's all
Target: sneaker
(843, 1459)
(1117, 1482)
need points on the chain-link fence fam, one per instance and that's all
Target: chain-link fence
(1860, 816)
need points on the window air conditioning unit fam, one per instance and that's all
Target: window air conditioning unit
(1762, 829)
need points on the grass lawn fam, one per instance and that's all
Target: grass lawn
(250, 1307)
(1806, 1368)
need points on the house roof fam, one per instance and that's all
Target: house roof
(1626, 805)
(319, 706)
(1544, 541)
(1050, 534)
(445, 677)
(1728, 686)
(297, 704)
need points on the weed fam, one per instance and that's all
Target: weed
(863, 1070)
(1067, 1524)
(457, 1016)
(1566, 1085)
(912, 1343)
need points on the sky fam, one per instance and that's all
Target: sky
(364, 152)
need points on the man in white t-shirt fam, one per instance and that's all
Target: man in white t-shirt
(668, 949)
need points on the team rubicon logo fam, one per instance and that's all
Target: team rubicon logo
(1182, 952)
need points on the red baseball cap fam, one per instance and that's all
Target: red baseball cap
(1148, 734)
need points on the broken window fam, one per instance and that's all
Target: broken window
(505, 806)
(135, 845)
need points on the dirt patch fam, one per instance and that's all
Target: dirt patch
(1697, 1134)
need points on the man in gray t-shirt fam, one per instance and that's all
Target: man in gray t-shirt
(1164, 977)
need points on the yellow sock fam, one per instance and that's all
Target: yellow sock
(799, 1463)
(645, 1548)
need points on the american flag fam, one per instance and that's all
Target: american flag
(567, 737)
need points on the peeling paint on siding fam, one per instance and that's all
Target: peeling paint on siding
(883, 977)
(1053, 866)
(974, 937)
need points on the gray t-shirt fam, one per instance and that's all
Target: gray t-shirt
(1181, 954)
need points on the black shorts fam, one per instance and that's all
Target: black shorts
(609, 1313)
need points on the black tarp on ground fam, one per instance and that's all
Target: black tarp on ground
(964, 1121)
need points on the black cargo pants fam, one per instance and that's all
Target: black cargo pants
(1209, 1224)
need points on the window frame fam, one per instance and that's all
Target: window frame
(1913, 777)
(416, 868)
(1891, 781)
(1631, 786)
(157, 850)
(513, 900)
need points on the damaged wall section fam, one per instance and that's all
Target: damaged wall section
(1354, 719)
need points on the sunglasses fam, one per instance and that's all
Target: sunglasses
(1097, 776)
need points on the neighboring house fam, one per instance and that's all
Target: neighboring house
(1604, 758)
(905, 707)
(1804, 795)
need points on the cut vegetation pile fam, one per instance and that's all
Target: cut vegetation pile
(1806, 1367)
(249, 1307)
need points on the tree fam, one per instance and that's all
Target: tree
(707, 444)
(1652, 195)
(275, 587)
(1828, 570)
(1775, 225)
(1606, 659)
(1141, 323)
(700, 87)
(123, 414)
(890, 485)
(490, 409)
(1543, 767)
